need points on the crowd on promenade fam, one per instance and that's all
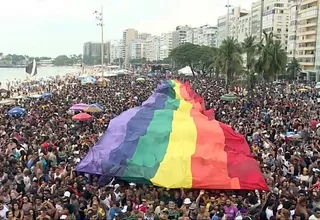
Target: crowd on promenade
(40, 150)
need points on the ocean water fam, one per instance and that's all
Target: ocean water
(13, 74)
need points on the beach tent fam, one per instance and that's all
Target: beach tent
(185, 71)
(88, 80)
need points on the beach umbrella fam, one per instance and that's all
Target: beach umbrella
(16, 111)
(79, 107)
(93, 109)
(97, 105)
(140, 79)
(228, 97)
(46, 95)
(82, 117)
(101, 79)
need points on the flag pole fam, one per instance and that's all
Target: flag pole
(102, 43)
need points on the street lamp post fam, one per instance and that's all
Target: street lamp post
(228, 6)
(261, 18)
(99, 18)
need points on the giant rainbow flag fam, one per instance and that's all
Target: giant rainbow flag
(170, 142)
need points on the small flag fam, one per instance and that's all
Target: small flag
(31, 69)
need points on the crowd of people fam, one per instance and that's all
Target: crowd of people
(40, 150)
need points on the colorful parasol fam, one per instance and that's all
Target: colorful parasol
(82, 117)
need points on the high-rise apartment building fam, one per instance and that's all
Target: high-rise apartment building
(229, 26)
(204, 35)
(307, 34)
(244, 27)
(144, 36)
(292, 28)
(115, 50)
(152, 49)
(128, 36)
(137, 49)
(179, 35)
(93, 49)
(165, 45)
(276, 19)
(256, 19)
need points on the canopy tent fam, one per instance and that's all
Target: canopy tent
(185, 71)
(169, 136)
(88, 80)
(228, 97)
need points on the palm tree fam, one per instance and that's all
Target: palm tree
(293, 69)
(272, 58)
(250, 48)
(230, 59)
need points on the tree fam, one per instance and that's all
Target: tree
(272, 58)
(250, 49)
(187, 54)
(63, 60)
(207, 59)
(116, 61)
(293, 69)
(229, 56)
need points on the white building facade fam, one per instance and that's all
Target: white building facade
(115, 50)
(276, 19)
(292, 28)
(165, 45)
(231, 28)
(152, 48)
(205, 35)
(137, 49)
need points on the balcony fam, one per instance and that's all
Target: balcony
(308, 17)
(306, 64)
(306, 41)
(307, 48)
(304, 33)
(307, 9)
(313, 24)
(308, 2)
(305, 56)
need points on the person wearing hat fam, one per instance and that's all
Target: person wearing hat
(184, 210)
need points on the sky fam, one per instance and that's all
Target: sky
(55, 27)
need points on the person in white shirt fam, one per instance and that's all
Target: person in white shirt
(316, 215)
(269, 210)
(3, 211)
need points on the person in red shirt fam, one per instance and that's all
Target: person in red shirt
(143, 206)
